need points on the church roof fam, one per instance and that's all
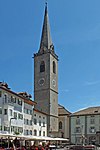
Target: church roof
(46, 41)
(62, 111)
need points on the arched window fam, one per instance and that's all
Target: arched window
(35, 132)
(42, 66)
(60, 125)
(30, 132)
(54, 67)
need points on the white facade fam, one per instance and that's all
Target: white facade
(40, 123)
(17, 115)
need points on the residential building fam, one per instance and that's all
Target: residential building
(17, 113)
(85, 126)
(40, 123)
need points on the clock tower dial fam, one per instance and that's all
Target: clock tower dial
(41, 81)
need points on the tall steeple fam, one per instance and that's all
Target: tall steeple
(46, 41)
(46, 78)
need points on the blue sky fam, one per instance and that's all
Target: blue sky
(75, 31)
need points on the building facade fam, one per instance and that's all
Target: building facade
(17, 113)
(64, 119)
(85, 126)
(40, 123)
(46, 78)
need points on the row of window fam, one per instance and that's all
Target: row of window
(12, 100)
(35, 122)
(79, 130)
(16, 115)
(28, 111)
(42, 67)
(27, 122)
(16, 129)
(78, 140)
(92, 120)
(39, 116)
(35, 133)
(28, 132)
(20, 130)
(20, 116)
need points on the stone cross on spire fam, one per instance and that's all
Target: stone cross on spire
(46, 41)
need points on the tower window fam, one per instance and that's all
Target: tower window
(54, 67)
(42, 66)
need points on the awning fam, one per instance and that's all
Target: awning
(28, 137)
(61, 139)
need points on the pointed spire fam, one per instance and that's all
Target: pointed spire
(46, 41)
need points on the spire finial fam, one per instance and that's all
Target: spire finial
(46, 2)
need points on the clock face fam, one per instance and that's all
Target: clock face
(41, 81)
(53, 82)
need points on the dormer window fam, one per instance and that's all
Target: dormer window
(42, 66)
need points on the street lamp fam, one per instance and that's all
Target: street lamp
(10, 124)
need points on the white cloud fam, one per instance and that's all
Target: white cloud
(88, 83)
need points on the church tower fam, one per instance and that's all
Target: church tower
(46, 78)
